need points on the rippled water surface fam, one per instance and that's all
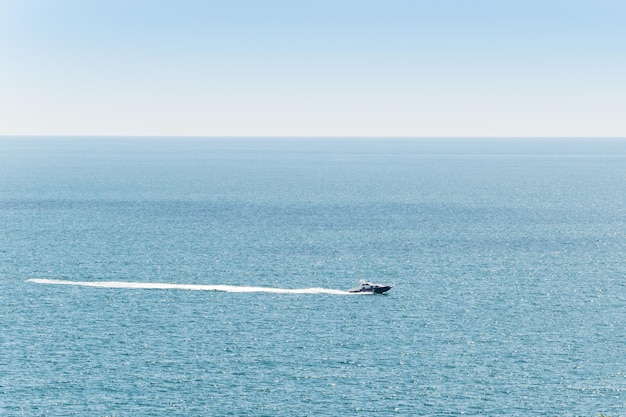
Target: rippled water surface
(183, 277)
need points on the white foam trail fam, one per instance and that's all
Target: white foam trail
(192, 287)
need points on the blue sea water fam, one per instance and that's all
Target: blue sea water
(507, 256)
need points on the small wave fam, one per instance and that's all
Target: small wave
(191, 287)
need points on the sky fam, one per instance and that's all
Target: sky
(425, 68)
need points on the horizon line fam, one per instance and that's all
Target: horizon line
(308, 136)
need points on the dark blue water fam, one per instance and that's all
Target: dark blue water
(507, 256)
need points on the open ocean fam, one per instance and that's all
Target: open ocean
(508, 259)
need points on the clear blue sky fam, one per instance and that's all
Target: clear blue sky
(313, 67)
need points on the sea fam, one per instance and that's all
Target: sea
(172, 276)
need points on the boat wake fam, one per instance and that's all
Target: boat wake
(191, 287)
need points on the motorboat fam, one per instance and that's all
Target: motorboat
(368, 287)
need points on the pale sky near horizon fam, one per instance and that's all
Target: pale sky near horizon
(313, 67)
